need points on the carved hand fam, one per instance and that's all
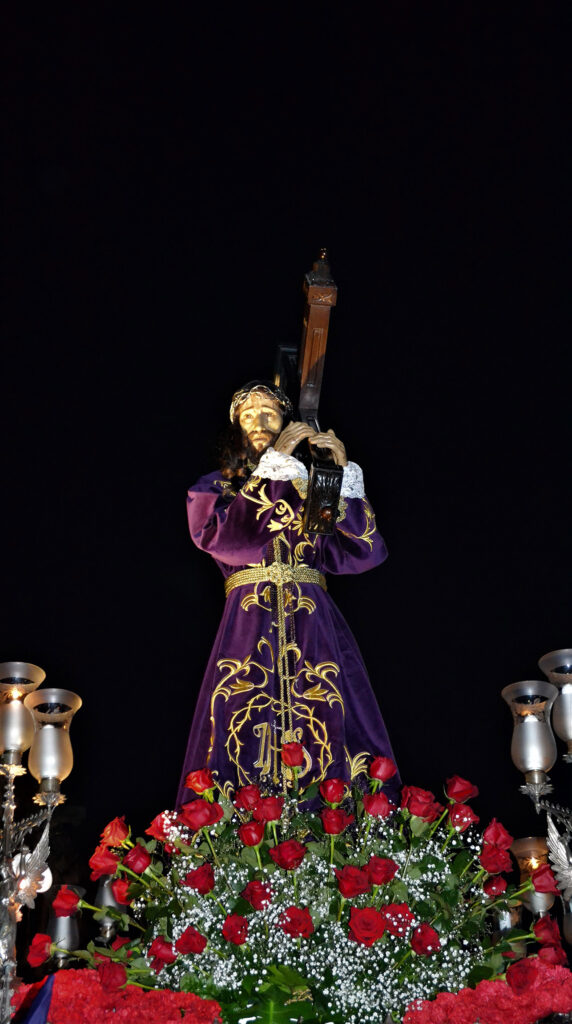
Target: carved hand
(329, 440)
(291, 436)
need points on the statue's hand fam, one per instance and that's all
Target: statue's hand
(333, 443)
(291, 436)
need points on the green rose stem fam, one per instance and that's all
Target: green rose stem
(215, 858)
(257, 852)
(452, 832)
(438, 822)
(295, 884)
(340, 908)
(274, 833)
(331, 850)
(403, 959)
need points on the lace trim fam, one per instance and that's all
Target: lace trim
(352, 482)
(275, 465)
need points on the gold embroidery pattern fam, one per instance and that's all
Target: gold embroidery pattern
(370, 527)
(284, 512)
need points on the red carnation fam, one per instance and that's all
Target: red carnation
(200, 781)
(495, 859)
(247, 798)
(289, 854)
(546, 931)
(257, 894)
(334, 820)
(377, 805)
(522, 975)
(382, 769)
(497, 835)
(461, 816)
(554, 955)
(269, 808)
(494, 886)
(459, 789)
(381, 870)
(201, 879)
(251, 833)
(158, 827)
(191, 941)
(543, 879)
(112, 976)
(65, 903)
(102, 862)
(161, 953)
(332, 791)
(420, 802)
(398, 918)
(200, 814)
(366, 925)
(297, 922)
(352, 881)
(293, 755)
(39, 950)
(120, 890)
(235, 929)
(425, 940)
(137, 860)
(115, 832)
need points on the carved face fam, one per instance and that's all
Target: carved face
(260, 419)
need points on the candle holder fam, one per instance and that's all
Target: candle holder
(533, 747)
(530, 853)
(557, 666)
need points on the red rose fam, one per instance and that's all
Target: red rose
(120, 890)
(381, 870)
(235, 929)
(459, 789)
(65, 903)
(497, 835)
(293, 755)
(201, 879)
(247, 798)
(200, 814)
(137, 860)
(366, 925)
(543, 880)
(115, 832)
(547, 932)
(102, 862)
(522, 975)
(334, 820)
(420, 802)
(461, 816)
(297, 922)
(494, 886)
(352, 881)
(112, 976)
(289, 854)
(425, 940)
(257, 894)
(158, 828)
(269, 808)
(382, 769)
(200, 781)
(377, 805)
(161, 953)
(119, 941)
(251, 833)
(191, 941)
(495, 859)
(39, 950)
(332, 790)
(554, 955)
(398, 918)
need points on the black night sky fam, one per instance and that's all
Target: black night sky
(168, 180)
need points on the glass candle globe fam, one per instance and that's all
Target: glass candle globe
(51, 756)
(17, 678)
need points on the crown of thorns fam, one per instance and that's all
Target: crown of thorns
(266, 388)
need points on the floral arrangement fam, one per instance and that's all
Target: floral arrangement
(339, 915)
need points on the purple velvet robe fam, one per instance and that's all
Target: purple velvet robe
(239, 722)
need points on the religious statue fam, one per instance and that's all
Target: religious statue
(284, 666)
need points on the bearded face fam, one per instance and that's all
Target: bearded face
(260, 419)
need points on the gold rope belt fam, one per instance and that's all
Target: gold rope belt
(277, 573)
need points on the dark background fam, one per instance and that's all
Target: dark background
(168, 181)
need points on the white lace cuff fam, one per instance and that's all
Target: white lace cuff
(352, 482)
(275, 465)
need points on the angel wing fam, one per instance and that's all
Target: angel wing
(32, 869)
(560, 858)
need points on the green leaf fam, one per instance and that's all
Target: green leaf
(480, 973)
(284, 976)
(461, 861)
(418, 826)
(311, 792)
(399, 890)
(248, 856)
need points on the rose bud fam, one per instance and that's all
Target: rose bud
(459, 790)
(522, 975)
(102, 862)
(257, 894)
(269, 808)
(40, 950)
(191, 941)
(352, 881)
(235, 929)
(162, 953)
(398, 918)
(120, 890)
(377, 805)
(497, 835)
(289, 854)
(382, 769)
(247, 798)
(366, 925)
(65, 903)
(425, 940)
(293, 755)
(494, 886)
(137, 860)
(543, 880)
(494, 859)
(201, 879)
(461, 816)
(115, 832)
(297, 922)
(554, 955)
(200, 781)
(251, 833)
(332, 791)
(112, 976)
(334, 820)
(546, 931)
(381, 870)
